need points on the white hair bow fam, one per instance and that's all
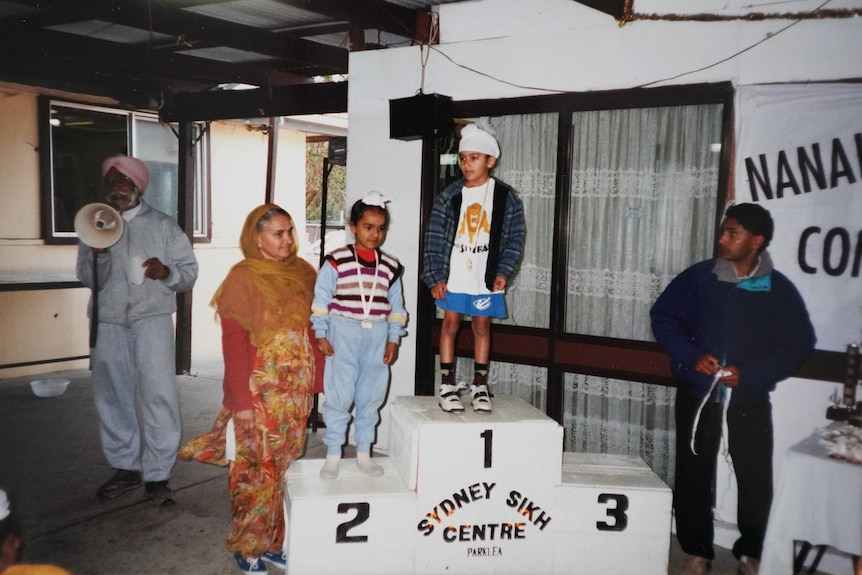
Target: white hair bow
(374, 198)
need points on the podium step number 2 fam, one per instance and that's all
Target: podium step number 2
(474, 494)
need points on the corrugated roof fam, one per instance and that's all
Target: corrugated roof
(143, 53)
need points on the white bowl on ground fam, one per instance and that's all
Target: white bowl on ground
(49, 387)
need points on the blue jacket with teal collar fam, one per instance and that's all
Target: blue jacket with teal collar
(759, 324)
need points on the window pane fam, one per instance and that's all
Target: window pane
(81, 137)
(604, 415)
(158, 147)
(643, 201)
(528, 382)
(528, 163)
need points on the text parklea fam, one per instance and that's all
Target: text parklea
(477, 492)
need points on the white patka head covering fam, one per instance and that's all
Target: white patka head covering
(475, 139)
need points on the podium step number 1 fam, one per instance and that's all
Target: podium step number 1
(475, 494)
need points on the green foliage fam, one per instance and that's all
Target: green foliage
(315, 152)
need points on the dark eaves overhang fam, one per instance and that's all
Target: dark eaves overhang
(293, 100)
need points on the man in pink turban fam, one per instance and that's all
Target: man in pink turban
(135, 169)
(133, 355)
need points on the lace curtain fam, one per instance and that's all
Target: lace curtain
(528, 163)
(643, 199)
(644, 186)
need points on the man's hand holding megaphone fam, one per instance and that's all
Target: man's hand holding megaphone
(99, 226)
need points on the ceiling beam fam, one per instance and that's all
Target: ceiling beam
(616, 8)
(297, 100)
(48, 50)
(77, 65)
(60, 60)
(367, 14)
(161, 69)
(188, 29)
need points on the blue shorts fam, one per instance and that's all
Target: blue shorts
(485, 305)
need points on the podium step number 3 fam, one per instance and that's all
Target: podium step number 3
(474, 494)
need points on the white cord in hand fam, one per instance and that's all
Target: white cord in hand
(721, 373)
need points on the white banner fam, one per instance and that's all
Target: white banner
(799, 155)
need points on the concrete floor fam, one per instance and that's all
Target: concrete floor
(51, 461)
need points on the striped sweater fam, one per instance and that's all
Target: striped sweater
(338, 291)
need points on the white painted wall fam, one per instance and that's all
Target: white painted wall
(238, 160)
(19, 162)
(42, 325)
(508, 48)
(36, 325)
(739, 7)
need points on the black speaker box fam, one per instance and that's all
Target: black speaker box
(420, 116)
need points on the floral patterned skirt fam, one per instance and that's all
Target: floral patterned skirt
(281, 389)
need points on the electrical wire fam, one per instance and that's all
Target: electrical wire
(425, 48)
(769, 36)
(496, 79)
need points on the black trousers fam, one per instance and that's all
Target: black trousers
(750, 439)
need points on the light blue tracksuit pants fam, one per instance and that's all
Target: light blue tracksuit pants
(129, 358)
(354, 374)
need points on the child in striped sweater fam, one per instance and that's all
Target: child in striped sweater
(358, 318)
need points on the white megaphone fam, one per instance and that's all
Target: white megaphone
(99, 225)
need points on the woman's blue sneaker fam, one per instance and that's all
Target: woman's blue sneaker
(277, 559)
(250, 565)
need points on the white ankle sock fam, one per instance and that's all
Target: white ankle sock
(330, 467)
(363, 461)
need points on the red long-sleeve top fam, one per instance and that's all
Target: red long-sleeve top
(239, 356)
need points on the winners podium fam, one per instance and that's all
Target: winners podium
(478, 494)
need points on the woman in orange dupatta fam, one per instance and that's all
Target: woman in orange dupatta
(264, 305)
